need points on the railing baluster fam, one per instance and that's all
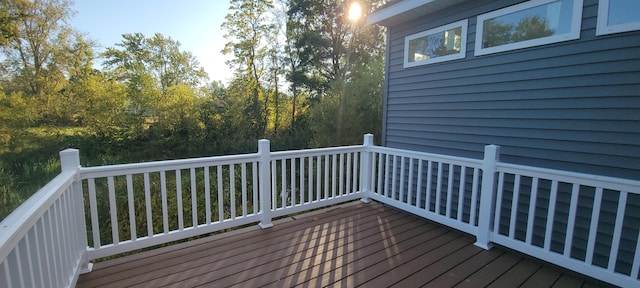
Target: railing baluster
(326, 177)
(449, 200)
(294, 195)
(318, 178)
(498, 208)
(29, 259)
(342, 181)
(232, 190)
(302, 182)
(410, 184)
(573, 206)
(52, 240)
(19, 265)
(348, 178)
(7, 273)
(402, 188)
(194, 198)
(439, 189)
(132, 213)
(617, 232)
(355, 174)
(179, 200)
(550, 214)
(165, 207)
(474, 197)
(515, 198)
(394, 178)
(283, 179)
(274, 185)
(310, 177)
(387, 174)
(254, 171)
(427, 198)
(147, 203)
(113, 210)
(635, 267)
(39, 254)
(334, 174)
(65, 232)
(93, 207)
(593, 227)
(419, 185)
(461, 190)
(532, 209)
(45, 244)
(380, 188)
(207, 195)
(243, 174)
(220, 198)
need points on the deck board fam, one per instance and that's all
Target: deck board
(351, 245)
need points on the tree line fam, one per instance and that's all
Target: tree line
(303, 76)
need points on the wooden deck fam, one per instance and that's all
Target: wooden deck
(355, 244)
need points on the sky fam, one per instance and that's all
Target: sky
(194, 23)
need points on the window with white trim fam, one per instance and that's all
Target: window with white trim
(615, 16)
(439, 44)
(532, 23)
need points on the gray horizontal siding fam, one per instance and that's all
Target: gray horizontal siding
(572, 105)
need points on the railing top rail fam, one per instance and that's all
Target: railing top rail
(157, 166)
(315, 152)
(469, 162)
(613, 183)
(18, 223)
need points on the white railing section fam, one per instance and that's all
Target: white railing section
(179, 199)
(308, 179)
(586, 223)
(43, 242)
(173, 200)
(441, 188)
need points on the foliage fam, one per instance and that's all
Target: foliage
(498, 33)
(303, 77)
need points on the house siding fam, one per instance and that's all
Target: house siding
(571, 105)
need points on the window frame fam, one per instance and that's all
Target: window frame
(573, 34)
(460, 55)
(602, 28)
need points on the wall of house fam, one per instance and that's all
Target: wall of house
(571, 105)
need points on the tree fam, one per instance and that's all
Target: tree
(10, 17)
(327, 50)
(35, 59)
(152, 68)
(246, 27)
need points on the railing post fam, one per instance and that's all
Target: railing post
(365, 168)
(70, 161)
(487, 196)
(264, 186)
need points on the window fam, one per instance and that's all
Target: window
(443, 43)
(616, 16)
(528, 24)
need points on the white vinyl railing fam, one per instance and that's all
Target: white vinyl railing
(582, 222)
(587, 223)
(43, 242)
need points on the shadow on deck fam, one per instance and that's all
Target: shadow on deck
(354, 244)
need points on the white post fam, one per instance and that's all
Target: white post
(487, 196)
(365, 168)
(70, 161)
(264, 186)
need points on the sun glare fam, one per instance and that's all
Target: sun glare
(355, 11)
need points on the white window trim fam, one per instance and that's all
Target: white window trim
(603, 18)
(576, 21)
(463, 44)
